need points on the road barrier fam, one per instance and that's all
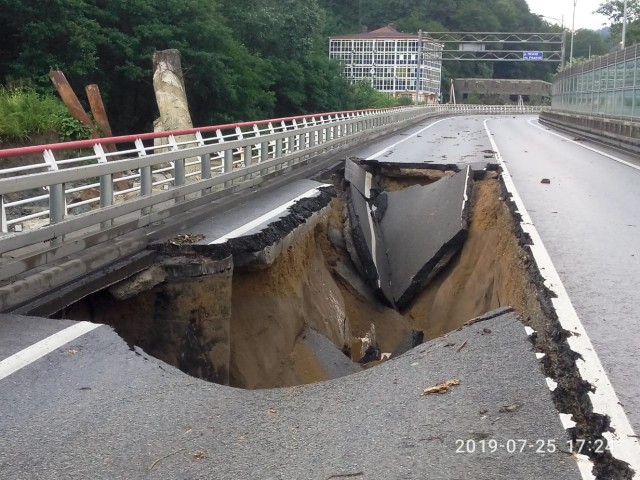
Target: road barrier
(623, 134)
(58, 195)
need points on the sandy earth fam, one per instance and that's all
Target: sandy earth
(271, 310)
(488, 273)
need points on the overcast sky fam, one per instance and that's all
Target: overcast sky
(585, 18)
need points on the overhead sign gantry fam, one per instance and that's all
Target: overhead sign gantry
(503, 47)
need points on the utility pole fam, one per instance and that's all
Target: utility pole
(573, 31)
(624, 25)
(419, 68)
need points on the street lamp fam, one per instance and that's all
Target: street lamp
(561, 20)
(573, 31)
(624, 25)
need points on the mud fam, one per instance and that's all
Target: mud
(313, 288)
(488, 273)
(271, 309)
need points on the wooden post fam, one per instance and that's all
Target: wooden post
(98, 110)
(171, 96)
(71, 101)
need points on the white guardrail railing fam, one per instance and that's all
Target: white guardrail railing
(50, 191)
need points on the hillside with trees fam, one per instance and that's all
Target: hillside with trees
(242, 59)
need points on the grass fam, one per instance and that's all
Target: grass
(25, 112)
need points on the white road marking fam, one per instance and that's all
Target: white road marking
(38, 350)
(386, 149)
(624, 446)
(587, 147)
(374, 244)
(313, 192)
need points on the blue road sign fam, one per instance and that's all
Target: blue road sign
(532, 55)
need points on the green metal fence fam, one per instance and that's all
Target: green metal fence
(608, 86)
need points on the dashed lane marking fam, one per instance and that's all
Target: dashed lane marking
(38, 350)
(391, 147)
(621, 439)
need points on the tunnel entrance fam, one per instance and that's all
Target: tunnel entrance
(312, 315)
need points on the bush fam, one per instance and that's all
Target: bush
(24, 113)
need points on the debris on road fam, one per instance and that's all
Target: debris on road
(185, 239)
(166, 456)
(346, 475)
(512, 407)
(443, 387)
(199, 455)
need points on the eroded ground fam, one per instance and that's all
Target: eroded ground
(270, 316)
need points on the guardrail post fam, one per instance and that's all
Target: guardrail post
(56, 208)
(106, 195)
(4, 228)
(205, 170)
(146, 178)
(264, 156)
(278, 152)
(228, 166)
(248, 159)
(178, 172)
(146, 186)
(248, 155)
(312, 138)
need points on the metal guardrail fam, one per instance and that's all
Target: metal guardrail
(489, 109)
(91, 186)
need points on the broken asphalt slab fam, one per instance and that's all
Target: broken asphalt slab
(404, 238)
(256, 231)
(97, 409)
(422, 228)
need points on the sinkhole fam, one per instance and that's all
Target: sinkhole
(328, 304)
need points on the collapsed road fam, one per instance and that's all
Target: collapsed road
(319, 281)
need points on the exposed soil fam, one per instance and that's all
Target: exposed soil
(183, 322)
(398, 179)
(488, 273)
(267, 314)
(270, 310)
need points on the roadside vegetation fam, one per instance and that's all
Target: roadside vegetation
(25, 113)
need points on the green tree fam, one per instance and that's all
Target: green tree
(588, 43)
(288, 34)
(614, 10)
(111, 43)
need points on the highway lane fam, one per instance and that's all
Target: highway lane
(452, 140)
(589, 220)
(96, 409)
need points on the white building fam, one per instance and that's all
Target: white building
(389, 60)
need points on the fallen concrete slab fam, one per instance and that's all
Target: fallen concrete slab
(364, 237)
(360, 176)
(422, 228)
(333, 362)
(404, 238)
(98, 409)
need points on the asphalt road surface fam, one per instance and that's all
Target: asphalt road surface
(95, 409)
(588, 218)
(92, 408)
